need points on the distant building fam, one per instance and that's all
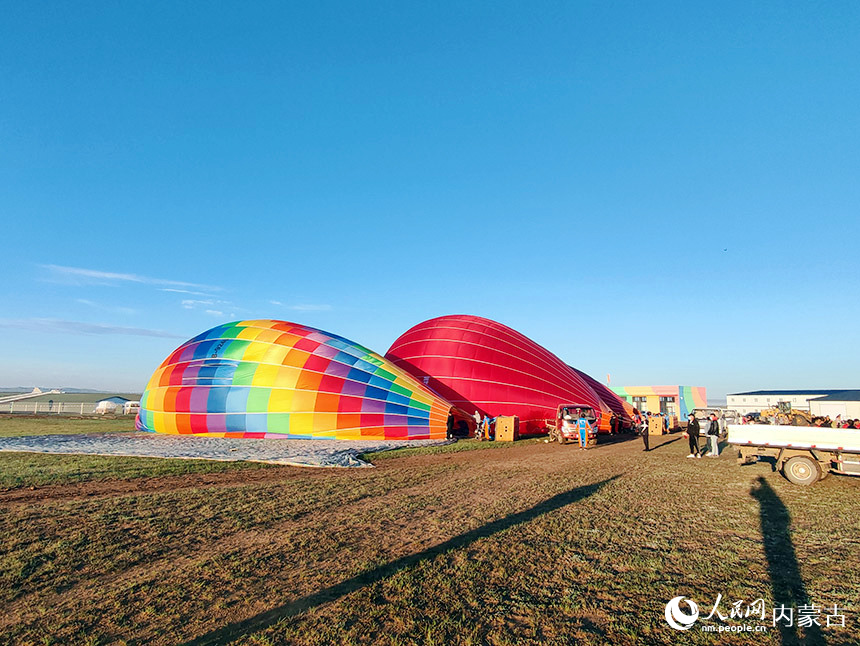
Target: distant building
(115, 399)
(757, 400)
(88, 397)
(672, 400)
(843, 402)
(71, 403)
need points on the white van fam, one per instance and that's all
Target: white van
(105, 408)
(131, 408)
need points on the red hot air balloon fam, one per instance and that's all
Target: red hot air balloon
(478, 364)
(621, 408)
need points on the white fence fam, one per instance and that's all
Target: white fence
(57, 408)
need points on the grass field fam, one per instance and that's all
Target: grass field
(40, 469)
(529, 543)
(19, 425)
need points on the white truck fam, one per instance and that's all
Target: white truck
(804, 454)
(725, 416)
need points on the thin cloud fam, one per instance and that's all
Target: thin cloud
(209, 305)
(105, 308)
(303, 307)
(183, 291)
(94, 276)
(77, 327)
(190, 303)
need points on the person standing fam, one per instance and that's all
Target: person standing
(485, 428)
(713, 437)
(645, 434)
(584, 431)
(692, 434)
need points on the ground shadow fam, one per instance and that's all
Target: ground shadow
(606, 439)
(654, 446)
(239, 629)
(786, 582)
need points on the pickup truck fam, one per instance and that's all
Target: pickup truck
(725, 416)
(804, 454)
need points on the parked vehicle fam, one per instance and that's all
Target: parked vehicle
(804, 454)
(725, 416)
(565, 429)
(782, 413)
(106, 408)
(131, 408)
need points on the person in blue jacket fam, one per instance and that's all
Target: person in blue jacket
(584, 430)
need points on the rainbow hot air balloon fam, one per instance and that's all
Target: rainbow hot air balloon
(479, 364)
(275, 379)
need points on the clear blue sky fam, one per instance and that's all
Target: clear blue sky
(665, 191)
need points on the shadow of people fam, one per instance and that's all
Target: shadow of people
(263, 620)
(604, 439)
(785, 580)
(654, 447)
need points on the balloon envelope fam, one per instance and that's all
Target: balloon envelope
(617, 405)
(275, 379)
(476, 363)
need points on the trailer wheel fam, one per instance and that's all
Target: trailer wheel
(801, 470)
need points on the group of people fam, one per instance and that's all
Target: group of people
(820, 421)
(485, 426)
(836, 423)
(693, 432)
(641, 423)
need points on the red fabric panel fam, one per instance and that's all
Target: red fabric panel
(476, 363)
(613, 401)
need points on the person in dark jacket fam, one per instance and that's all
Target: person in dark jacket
(713, 437)
(644, 427)
(693, 434)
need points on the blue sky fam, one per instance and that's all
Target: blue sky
(663, 191)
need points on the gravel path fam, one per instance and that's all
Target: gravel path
(305, 453)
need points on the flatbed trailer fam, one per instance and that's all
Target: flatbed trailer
(804, 454)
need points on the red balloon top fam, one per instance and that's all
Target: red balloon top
(479, 364)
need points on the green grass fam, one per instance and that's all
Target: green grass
(41, 469)
(20, 425)
(533, 544)
(468, 444)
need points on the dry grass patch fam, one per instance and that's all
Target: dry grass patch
(528, 544)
